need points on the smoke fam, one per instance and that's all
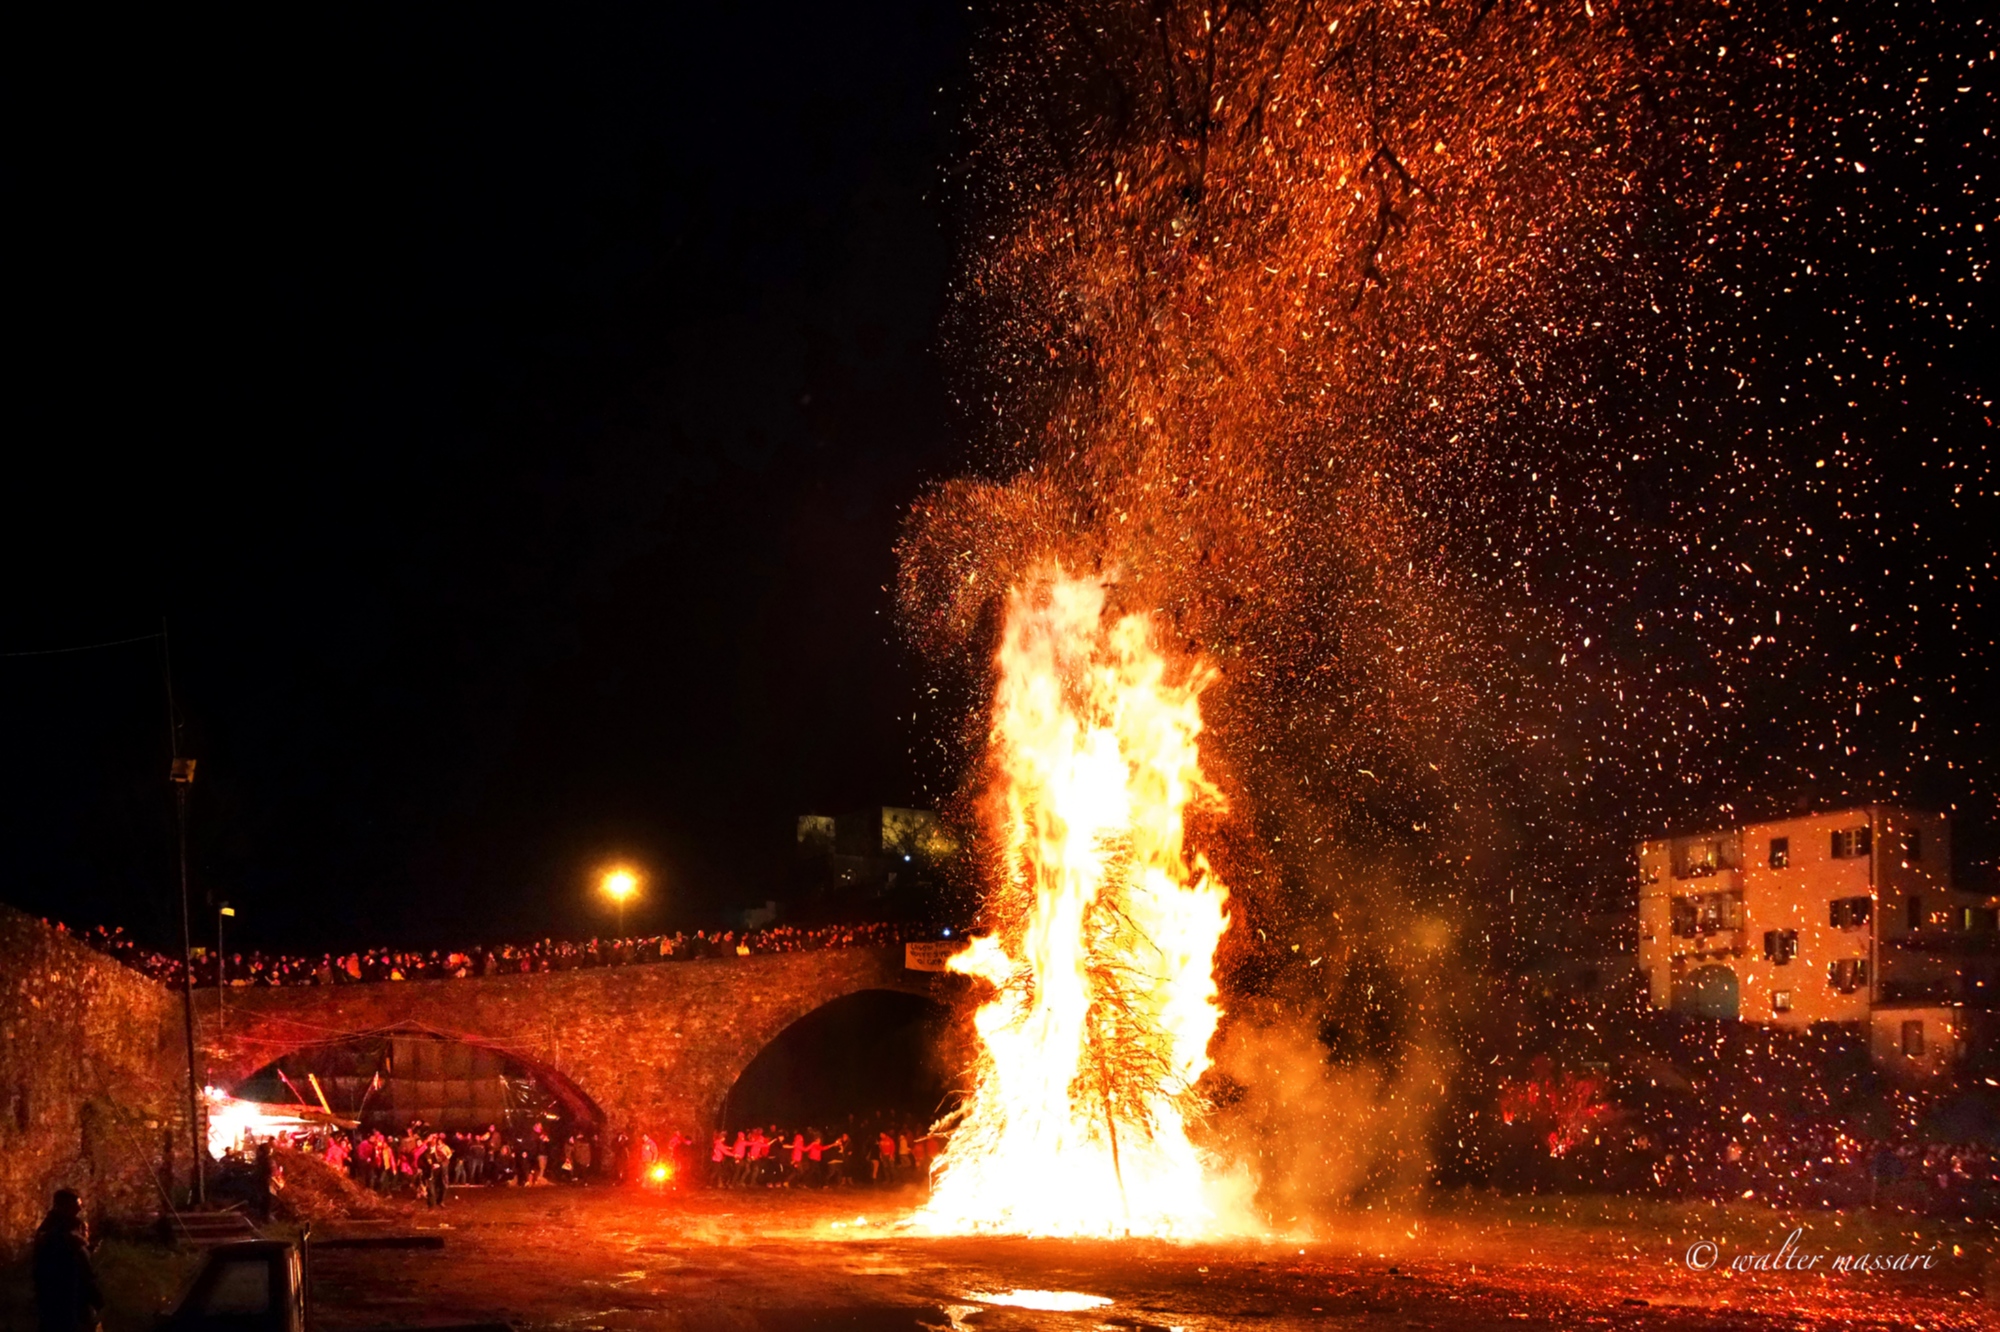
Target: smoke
(1258, 289)
(1318, 1137)
(1334, 1083)
(1411, 364)
(1256, 297)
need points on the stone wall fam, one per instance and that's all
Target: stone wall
(92, 1083)
(93, 1088)
(653, 1047)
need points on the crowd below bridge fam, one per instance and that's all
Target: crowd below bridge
(396, 964)
(875, 1151)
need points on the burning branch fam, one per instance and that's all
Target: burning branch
(1102, 961)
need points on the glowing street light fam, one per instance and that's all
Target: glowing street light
(222, 912)
(619, 885)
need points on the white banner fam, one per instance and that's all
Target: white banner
(930, 955)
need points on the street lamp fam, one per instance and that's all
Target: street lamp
(222, 912)
(182, 773)
(619, 884)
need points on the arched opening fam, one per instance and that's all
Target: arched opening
(863, 1057)
(387, 1079)
(1709, 992)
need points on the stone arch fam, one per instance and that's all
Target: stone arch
(822, 1061)
(578, 1106)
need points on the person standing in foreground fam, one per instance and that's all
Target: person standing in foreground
(66, 1295)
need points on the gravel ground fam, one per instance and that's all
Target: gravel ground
(587, 1259)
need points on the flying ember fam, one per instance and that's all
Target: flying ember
(1104, 935)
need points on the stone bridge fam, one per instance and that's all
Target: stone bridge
(656, 1046)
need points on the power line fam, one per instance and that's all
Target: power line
(84, 647)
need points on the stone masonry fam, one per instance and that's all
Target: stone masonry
(92, 1083)
(653, 1047)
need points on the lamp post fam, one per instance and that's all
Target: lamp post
(619, 885)
(183, 776)
(222, 913)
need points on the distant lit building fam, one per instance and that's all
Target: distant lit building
(881, 858)
(1847, 916)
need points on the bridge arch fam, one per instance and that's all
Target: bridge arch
(387, 1078)
(856, 1056)
(655, 1047)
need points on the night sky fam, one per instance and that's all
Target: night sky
(510, 415)
(514, 420)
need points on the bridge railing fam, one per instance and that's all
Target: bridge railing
(391, 964)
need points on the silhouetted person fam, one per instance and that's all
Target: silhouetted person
(66, 1294)
(266, 1170)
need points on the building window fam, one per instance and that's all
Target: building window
(1780, 946)
(1913, 1039)
(1982, 920)
(1852, 843)
(1848, 974)
(1916, 911)
(1781, 1001)
(1913, 844)
(1781, 852)
(1699, 857)
(1849, 913)
(1699, 914)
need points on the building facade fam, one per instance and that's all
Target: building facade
(1847, 916)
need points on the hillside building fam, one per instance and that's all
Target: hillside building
(1847, 916)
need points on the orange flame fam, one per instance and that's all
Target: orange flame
(1106, 930)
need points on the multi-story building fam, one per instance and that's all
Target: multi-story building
(1847, 916)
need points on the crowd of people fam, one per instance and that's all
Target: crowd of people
(883, 1153)
(424, 1163)
(1815, 1163)
(388, 964)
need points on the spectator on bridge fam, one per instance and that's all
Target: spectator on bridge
(382, 964)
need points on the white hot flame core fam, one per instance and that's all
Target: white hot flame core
(237, 1125)
(1103, 957)
(1053, 1301)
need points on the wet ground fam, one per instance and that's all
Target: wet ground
(591, 1259)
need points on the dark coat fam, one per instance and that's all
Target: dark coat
(66, 1295)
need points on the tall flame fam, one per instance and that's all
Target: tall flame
(1102, 959)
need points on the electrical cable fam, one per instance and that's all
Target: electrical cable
(84, 647)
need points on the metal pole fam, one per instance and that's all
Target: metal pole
(221, 973)
(187, 1006)
(182, 773)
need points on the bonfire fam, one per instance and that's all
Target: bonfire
(1103, 936)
